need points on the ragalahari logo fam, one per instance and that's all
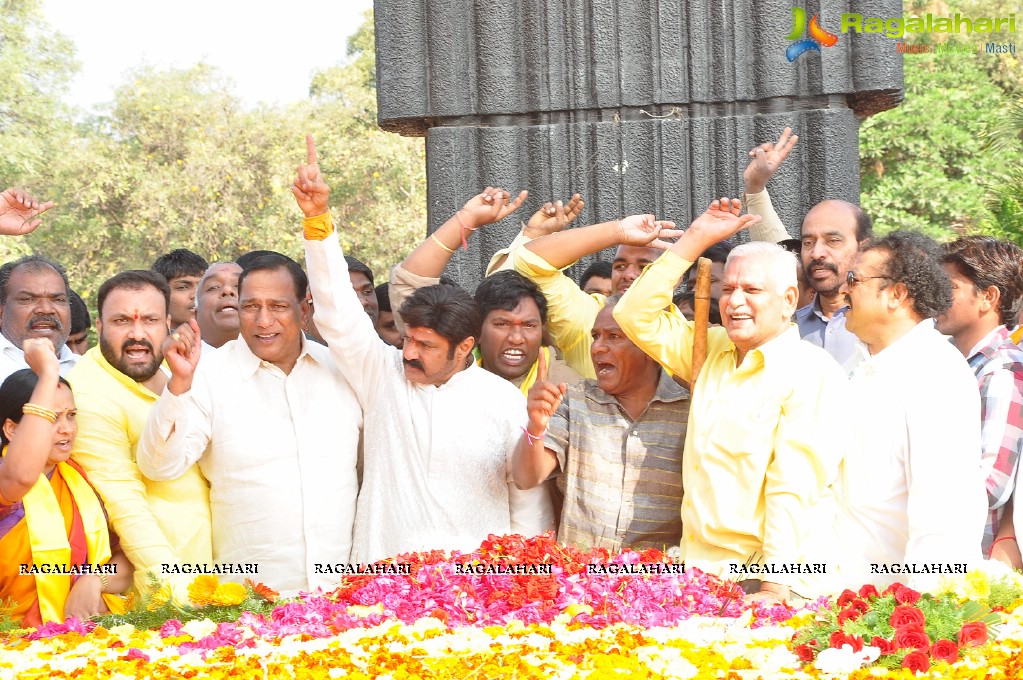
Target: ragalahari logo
(818, 36)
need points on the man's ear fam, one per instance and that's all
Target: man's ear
(897, 294)
(465, 346)
(990, 298)
(305, 310)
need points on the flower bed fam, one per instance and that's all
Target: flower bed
(587, 615)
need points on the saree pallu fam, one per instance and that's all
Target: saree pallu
(60, 521)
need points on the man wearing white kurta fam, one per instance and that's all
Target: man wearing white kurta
(274, 427)
(439, 430)
(912, 494)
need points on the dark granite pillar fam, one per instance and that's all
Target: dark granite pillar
(639, 105)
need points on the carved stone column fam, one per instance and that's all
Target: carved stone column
(639, 105)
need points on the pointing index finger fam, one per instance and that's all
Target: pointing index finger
(310, 146)
(541, 368)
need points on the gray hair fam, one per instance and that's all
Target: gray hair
(781, 263)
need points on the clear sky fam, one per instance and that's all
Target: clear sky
(269, 48)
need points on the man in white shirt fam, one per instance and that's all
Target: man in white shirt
(274, 427)
(34, 303)
(912, 493)
(440, 431)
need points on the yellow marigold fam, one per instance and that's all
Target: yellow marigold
(228, 594)
(160, 597)
(977, 586)
(201, 589)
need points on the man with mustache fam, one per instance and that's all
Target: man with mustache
(439, 430)
(34, 291)
(759, 454)
(116, 385)
(832, 234)
(34, 303)
(614, 446)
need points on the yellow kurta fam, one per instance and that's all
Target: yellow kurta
(158, 522)
(760, 452)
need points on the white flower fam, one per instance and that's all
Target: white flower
(199, 629)
(844, 661)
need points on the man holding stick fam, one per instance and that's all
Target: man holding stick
(759, 456)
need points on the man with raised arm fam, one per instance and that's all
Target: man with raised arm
(274, 427)
(34, 291)
(512, 308)
(759, 454)
(439, 431)
(614, 445)
(117, 383)
(572, 311)
(832, 233)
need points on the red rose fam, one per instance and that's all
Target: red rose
(906, 595)
(973, 634)
(917, 661)
(846, 597)
(861, 606)
(912, 637)
(906, 616)
(804, 653)
(869, 591)
(848, 614)
(886, 646)
(945, 650)
(838, 638)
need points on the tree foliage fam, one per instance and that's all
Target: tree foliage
(930, 164)
(178, 161)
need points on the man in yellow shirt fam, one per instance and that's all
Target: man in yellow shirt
(760, 452)
(116, 384)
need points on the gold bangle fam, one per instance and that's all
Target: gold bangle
(441, 244)
(103, 580)
(41, 411)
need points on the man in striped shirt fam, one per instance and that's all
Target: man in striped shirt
(987, 287)
(614, 444)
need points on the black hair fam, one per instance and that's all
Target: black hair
(133, 279)
(600, 269)
(32, 263)
(864, 225)
(180, 262)
(447, 310)
(271, 261)
(689, 296)
(987, 262)
(383, 297)
(245, 259)
(718, 252)
(80, 318)
(504, 290)
(15, 392)
(355, 265)
(914, 260)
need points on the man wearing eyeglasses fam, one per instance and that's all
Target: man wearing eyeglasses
(912, 500)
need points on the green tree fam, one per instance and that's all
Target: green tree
(377, 178)
(927, 164)
(36, 65)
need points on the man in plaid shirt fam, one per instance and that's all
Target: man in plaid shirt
(987, 290)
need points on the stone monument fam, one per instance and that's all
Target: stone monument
(638, 105)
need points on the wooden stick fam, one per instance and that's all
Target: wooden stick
(701, 317)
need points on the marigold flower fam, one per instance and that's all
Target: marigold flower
(229, 594)
(201, 589)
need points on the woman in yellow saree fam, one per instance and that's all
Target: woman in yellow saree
(57, 559)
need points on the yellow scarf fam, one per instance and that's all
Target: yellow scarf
(530, 378)
(49, 542)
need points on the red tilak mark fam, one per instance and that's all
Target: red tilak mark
(136, 315)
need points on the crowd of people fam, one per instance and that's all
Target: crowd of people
(858, 417)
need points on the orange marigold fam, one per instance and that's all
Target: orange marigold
(263, 590)
(201, 589)
(229, 594)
